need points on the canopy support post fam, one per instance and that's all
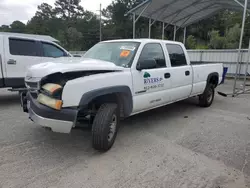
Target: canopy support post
(134, 21)
(240, 46)
(166, 26)
(239, 3)
(174, 32)
(149, 28)
(246, 71)
(184, 37)
(163, 30)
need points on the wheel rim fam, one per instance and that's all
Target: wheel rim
(210, 95)
(112, 127)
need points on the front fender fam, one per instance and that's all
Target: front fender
(74, 90)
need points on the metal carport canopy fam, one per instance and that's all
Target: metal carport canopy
(182, 13)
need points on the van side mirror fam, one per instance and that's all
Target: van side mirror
(66, 54)
(76, 55)
(146, 64)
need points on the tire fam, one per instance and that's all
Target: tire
(105, 127)
(207, 98)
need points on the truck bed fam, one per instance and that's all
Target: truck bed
(201, 72)
(1, 73)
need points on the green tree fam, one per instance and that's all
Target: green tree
(44, 21)
(217, 41)
(45, 11)
(191, 42)
(74, 38)
(69, 10)
(18, 27)
(118, 25)
(232, 36)
(78, 29)
(4, 28)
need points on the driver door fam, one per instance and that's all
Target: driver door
(151, 85)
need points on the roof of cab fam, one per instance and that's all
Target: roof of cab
(143, 40)
(30, 36)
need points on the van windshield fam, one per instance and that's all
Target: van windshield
(119, 53)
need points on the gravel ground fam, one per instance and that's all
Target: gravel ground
(180, 145)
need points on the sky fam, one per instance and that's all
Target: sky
(23, 10)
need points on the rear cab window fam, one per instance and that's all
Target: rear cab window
(176, 55)
(23, 47)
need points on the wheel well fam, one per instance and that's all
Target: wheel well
(118, 98)
(213, 79)
(121, 95)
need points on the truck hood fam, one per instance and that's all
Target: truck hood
(73, 64)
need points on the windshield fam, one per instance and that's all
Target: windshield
(119, 53)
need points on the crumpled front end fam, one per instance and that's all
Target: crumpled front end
(44, 104)
(61, 121)
(45, 83)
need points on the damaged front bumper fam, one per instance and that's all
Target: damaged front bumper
(61, 121)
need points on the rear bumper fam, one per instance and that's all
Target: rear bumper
(59, 121)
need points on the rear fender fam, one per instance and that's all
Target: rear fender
(210, 78)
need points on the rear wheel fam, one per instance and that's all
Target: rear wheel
(105, 126)
(206, 99)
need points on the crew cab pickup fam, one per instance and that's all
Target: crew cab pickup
(20, 51)
(114, 80)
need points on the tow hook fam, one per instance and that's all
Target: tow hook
(23, 100)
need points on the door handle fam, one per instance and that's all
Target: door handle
(187, 73)
(11, 62)
(167, 75)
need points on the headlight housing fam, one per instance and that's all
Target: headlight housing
(52, 89)
(50, 95)
(48, 101)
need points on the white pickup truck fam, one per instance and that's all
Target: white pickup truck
(20, 51)
(115, 79)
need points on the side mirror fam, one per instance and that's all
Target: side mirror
(66, 54)
(146, 64)
(77, 55)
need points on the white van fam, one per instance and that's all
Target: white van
(20, 51)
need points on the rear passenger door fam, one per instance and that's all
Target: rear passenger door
(20, 54)
(181, 72)
(151, 85)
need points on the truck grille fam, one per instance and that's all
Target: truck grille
(33, 88)
(32, 85)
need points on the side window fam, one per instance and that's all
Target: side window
(50, 50)
(23, 47)
(153, 51)
(176, 55)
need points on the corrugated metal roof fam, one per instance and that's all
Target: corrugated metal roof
(184, 12)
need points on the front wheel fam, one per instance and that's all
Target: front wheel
(206, 99)
(105, 127)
